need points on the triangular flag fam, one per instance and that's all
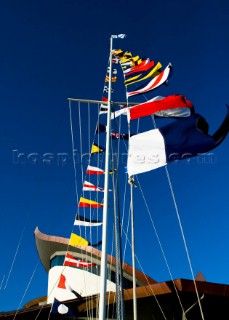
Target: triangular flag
(87, 203)
(83, 221)
(88, 186)
(96, 149)
(94, 170)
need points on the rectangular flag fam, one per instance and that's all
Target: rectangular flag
(71, 261)
(184, 138)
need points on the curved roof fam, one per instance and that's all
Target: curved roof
(48, 246)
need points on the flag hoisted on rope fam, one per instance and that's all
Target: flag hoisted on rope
(94, 170)
(182, 139)
(63, 284)
(77, 241)
(118, 36)
(87, 203)
(144, 75)
(96, 149)
(71, 261)
(88, 186)
(83, 221)
(158, 104)
(154, 83)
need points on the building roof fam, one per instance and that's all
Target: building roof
(48, 246)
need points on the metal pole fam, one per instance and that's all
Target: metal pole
(131, 181)
(103, 272)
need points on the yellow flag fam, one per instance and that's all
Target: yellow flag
(77, 241)
(96, 149)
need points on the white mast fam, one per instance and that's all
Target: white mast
(103, 272)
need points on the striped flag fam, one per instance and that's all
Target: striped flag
(158, 104)
(83, 221)
(184, 138)
(154, 83)
(94, 170)
(88, 186)
(87, 203)
(143, 66)
(144, 75)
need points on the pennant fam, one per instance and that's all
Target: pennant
(100, 128)
(64, 285)
(125, 59)
(77, 241)
(182, 139)
(86, 203)
(143, 66)
(83, 221)
(159, 104)
(144, 75)
(60, 308)
(88, 186)
(94, 170)
(118, 113)
(154, 83)
(96, 149)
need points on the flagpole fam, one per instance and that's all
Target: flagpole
(103, 272)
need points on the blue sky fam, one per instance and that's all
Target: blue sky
(52, 50)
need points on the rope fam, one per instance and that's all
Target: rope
(73, 148)
(15, 255)
(184, 240)
(147, 280)
(160, 245)
(30, 280)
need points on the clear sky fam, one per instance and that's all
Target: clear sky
(52, 50)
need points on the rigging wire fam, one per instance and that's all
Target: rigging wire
(15, 255)
(30, 280)
(160, 245)
(184, 240)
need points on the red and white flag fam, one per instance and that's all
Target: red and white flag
(71, 261)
